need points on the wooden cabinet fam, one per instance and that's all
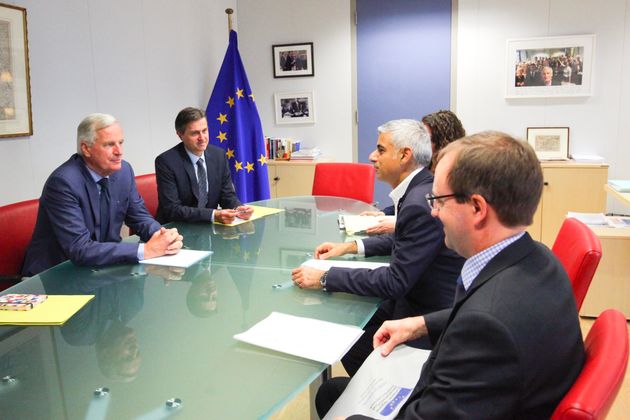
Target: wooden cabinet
(568, 186)
(290, 178)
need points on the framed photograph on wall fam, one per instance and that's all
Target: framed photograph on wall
(294, 107)
(550, 143)
(558, 66)
(293, 60)
(15, 85)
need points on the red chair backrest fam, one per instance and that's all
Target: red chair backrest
(579, 250)
(17, 223)
(595, 389)
(350, 180)
(147, 187)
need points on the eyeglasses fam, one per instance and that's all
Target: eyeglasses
(436, 202)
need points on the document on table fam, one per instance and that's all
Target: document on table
(355, 224)
(328, 264)
(56, 310)
(382, 384)
(184, 258)
(313, 339)
(259, 212)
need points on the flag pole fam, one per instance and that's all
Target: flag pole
(229, 13)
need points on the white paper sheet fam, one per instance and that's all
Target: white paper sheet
(310, 338)
(184, 258)
(382, 384)
(328, 264)
(359, 224)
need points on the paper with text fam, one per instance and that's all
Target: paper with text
(382, 384)
(313, 339)
(184, 258)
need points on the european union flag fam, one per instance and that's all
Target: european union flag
(234, 125)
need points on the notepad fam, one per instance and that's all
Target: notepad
(259, 212)
(328, 264)
(184, 258)
(313, 339)
(56, 310)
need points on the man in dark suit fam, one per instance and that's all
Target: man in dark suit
(422, 274)
(511, 345)
(85, 202)
(193, 178)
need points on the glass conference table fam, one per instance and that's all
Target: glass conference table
(157, 342)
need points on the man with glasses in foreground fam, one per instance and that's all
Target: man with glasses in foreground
(511, 345)
(422, 274)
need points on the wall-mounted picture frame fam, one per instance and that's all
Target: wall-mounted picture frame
(293, 60)
(295, 107)
(15, 85)
(549, 143)
(558, 66)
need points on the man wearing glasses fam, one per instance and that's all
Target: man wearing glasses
(511, 345)
(422, 274)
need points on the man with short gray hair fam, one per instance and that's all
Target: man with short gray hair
(85, 202)
(422, 273)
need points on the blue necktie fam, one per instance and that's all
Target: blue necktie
(202, 180)
(460, 290)
(104, 208)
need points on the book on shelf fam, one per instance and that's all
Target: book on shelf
(281, 148)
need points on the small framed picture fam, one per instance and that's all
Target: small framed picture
(294, 107)
(549, 143)
(293, 60)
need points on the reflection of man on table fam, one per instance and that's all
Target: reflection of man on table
(422, 273)
(511, 345)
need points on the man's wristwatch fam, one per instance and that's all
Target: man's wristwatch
(322, 280)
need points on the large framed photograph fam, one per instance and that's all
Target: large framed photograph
(15, 85)
(293, 60)
(549, 143)
(294, 107)
(549, 67)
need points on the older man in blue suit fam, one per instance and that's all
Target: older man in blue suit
(85, 202)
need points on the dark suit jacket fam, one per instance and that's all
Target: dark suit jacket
(422, 274)
(68, 220)
(510, 349)
(178, 188)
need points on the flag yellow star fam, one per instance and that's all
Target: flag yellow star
(249, 167)
(239, 93)
(251, 95)
(230, 101)
(222, 136)
(262, 160)
(246, 256)
(236, 248)
(239, 166)
(229, 153)
(222, 118)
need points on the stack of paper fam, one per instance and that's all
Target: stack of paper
(587, 158)
(597, 219)
(328, 264)
(184, 258)
(621, 185)
(355, 224)
(313, 339)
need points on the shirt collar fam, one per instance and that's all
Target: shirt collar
(96, 177)
(401, 188)
(193, 157)
(476, 263)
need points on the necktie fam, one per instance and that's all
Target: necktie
(104, 208)
(460, 290)
(202, 181)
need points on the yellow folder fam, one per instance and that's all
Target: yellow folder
(56, 310)
(259, 212)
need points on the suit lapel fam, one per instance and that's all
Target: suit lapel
(422, 177)
(92, 193)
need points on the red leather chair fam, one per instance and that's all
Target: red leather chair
(350, 180)
(17, 222)
(147, 187)
(595, 389)
(579, 250)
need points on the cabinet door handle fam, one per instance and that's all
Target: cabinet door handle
(546, 184)
(277, 178)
